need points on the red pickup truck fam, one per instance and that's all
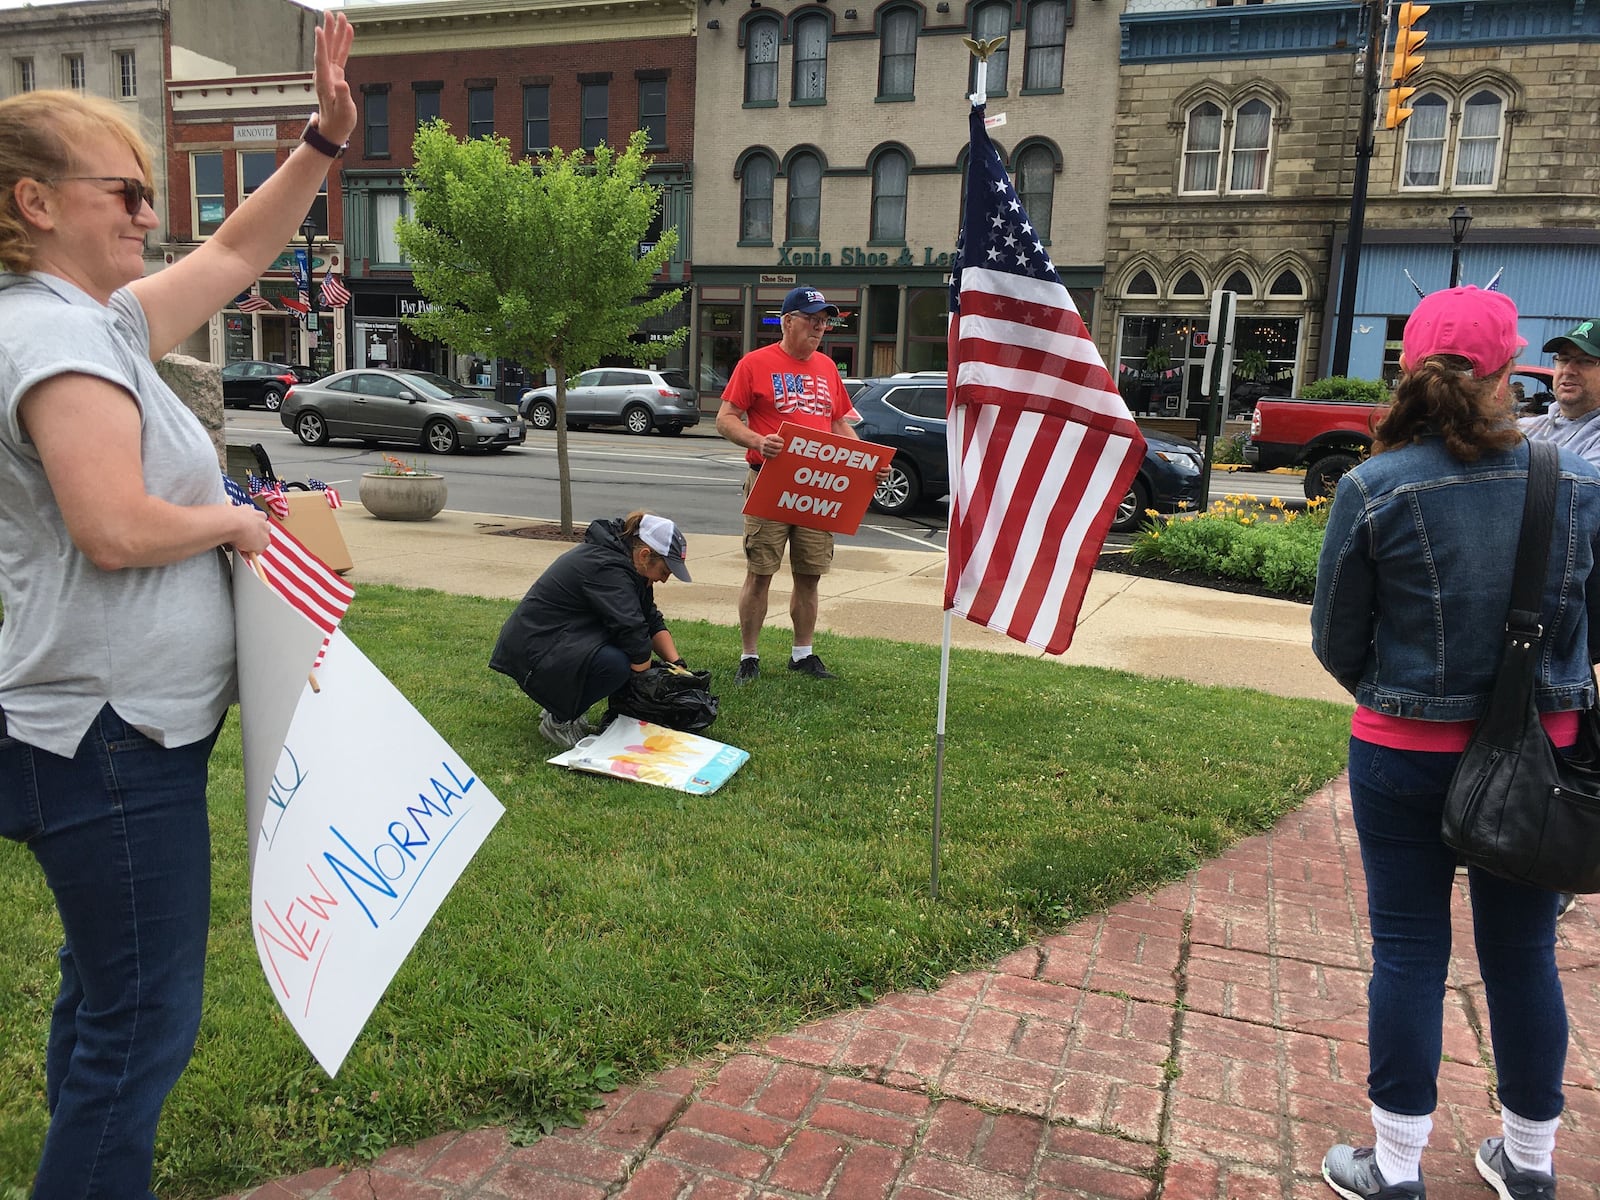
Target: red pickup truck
(1328, 437)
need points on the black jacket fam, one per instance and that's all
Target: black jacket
(587, 598)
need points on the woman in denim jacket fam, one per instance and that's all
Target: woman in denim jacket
(1413, 588)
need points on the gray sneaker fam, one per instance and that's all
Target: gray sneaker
(565, 734)
(1354, 1175)
(1512, 1182)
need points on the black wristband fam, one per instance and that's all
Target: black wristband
(312, 136)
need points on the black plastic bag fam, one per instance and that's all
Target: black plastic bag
(678, 699)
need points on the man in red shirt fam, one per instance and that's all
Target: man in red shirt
(789, 381)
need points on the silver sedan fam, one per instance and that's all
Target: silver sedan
(414, 408)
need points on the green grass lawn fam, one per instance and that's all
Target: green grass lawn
(608, 928)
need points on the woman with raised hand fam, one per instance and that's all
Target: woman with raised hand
(117, 651)
(1413, 590)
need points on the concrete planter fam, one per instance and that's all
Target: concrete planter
(417, 497)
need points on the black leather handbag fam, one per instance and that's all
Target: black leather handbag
(1518, 807)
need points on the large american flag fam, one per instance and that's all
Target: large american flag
(1042, 448)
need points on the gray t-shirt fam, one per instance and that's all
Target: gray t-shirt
(156, 643)
(1581, 436)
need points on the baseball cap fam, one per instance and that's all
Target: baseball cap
(1478, 326)
(807, 300)
(1585, 337)
(662, 536)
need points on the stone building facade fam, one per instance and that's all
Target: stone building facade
(831, 145)
(1235, 163)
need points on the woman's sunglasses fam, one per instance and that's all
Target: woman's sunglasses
(136, 193)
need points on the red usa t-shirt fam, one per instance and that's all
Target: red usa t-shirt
(770, 386)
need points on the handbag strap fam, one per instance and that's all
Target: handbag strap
(1533, 546)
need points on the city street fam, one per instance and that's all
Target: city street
(695, 478)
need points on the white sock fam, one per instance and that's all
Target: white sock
(1401, 1140)
(748, 657)
(1529, 1144)
(799, 652)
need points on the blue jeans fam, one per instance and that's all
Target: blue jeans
(1398, 800)
(121, 832)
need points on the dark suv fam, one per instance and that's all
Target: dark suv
(264, 383)
(907, 413)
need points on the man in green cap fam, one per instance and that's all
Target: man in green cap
(1574, 420)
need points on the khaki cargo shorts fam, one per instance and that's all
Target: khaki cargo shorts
(810, 550)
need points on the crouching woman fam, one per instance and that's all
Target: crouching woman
(591, 620)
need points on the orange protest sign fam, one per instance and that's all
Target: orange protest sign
(821, 480)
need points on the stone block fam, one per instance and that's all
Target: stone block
(199, 385)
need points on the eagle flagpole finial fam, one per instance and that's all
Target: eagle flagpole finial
(981, 49)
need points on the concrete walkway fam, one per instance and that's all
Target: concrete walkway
(1206, 1042)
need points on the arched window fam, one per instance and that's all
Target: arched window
(897, 55)
(1202, 148)
(755, 199)
(992, 20)
(1142, 284)
(1287, 286)
(811, 59)
(805, 199)
(889, 197)
(1036, 187)
(1189, 284)
(1425, 134)
(1252, 135)
(1240, 284)
(1478, 144)
(1047, 39)
(761, 61)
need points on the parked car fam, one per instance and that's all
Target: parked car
(417, 408)
(253, 382)
(636, 398)
(907, 412)
(1538, 384)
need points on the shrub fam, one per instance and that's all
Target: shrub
(1228, 449)
(1355, 391)
(1239, 537)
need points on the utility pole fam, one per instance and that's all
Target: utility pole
(1344, 315)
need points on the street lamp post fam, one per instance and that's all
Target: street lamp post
(308, 229)
(1459, 220)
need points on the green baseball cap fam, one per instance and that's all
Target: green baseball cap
(1585, 337)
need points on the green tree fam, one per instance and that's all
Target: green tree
(536, 260)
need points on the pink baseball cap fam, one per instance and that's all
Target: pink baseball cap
(1478, 326)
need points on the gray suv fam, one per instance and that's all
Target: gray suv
(634, 397)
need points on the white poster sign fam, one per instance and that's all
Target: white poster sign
(361, 818)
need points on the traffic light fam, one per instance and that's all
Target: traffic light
(1407, 58)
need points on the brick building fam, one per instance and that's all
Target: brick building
(225, 136)
(831, 149)
(126, 50)
(540, 73)
(1234, 167)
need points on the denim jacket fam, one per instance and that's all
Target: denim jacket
(1414, 581)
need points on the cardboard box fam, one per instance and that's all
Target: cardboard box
(312, 521)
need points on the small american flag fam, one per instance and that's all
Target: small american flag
(270, 494)
(1042, 447)
(334, 292)
(332, 496)
(249, 301)
(309, 585)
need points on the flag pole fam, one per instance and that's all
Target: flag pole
(938, 755)
(980, 80)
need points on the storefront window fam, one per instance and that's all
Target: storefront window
(1265, 354)
(1152, 355)
(721, 341)
(927, 324)
(238, 345)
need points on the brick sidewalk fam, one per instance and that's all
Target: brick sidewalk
(1203, 1043)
